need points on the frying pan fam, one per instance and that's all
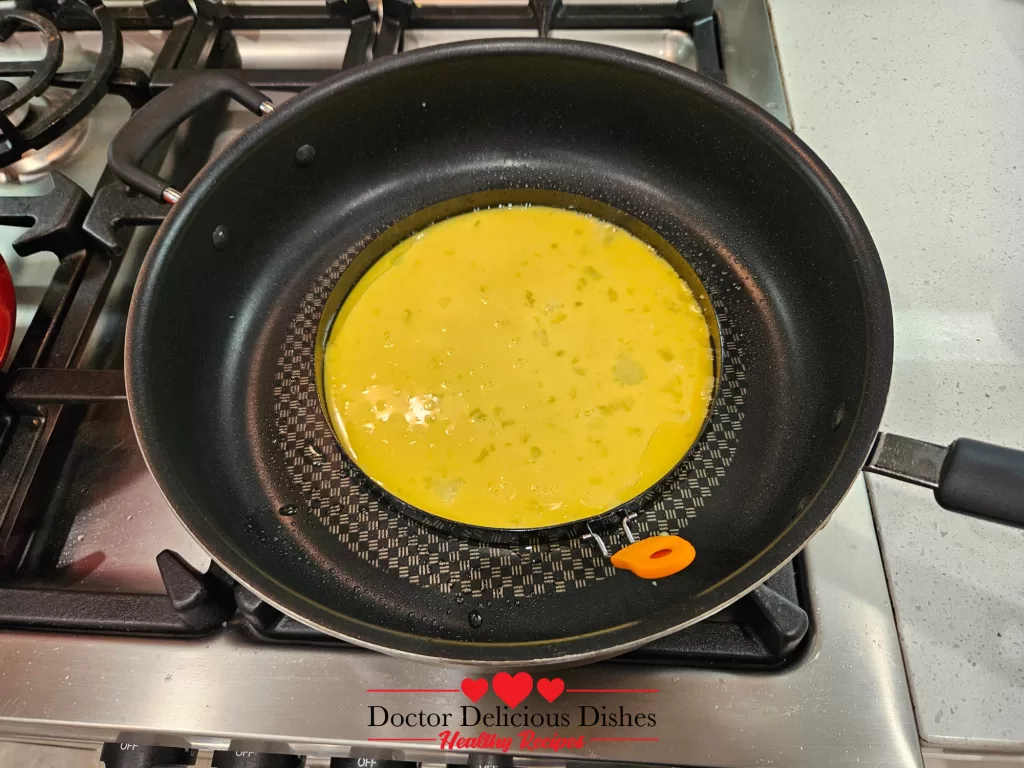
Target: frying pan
(220, 347)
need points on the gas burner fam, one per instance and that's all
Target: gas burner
(38, 162)
(20, 135)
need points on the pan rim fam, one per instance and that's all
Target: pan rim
(612, 640)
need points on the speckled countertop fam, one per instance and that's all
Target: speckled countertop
(918, 107)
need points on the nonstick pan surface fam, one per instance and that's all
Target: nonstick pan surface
(222, 332)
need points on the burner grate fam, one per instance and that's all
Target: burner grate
(695, 17)
(64, 115)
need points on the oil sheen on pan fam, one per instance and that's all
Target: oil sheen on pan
(519, 367)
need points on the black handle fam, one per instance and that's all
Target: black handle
(163, 114)
(970, 477)
(984, 480)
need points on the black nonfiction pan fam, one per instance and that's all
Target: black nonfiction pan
(222, 331)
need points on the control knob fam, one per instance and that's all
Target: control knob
(370, 762)
(128, 755)
(241, 759)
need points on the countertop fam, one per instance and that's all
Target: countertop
(918, 107)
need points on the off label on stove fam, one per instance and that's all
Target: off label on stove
(369, 762)
(250, 759)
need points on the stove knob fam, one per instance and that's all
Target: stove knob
(478, 760)
(127, 755)
(236, 759)
(369, 762)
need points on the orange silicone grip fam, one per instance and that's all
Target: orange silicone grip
(656, 557)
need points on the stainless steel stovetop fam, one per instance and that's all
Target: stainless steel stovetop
(844, 701)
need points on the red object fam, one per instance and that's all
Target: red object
(8, 310)
(512, 689)
(550, 689)
(474, 689)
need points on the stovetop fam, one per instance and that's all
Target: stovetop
(99, 580)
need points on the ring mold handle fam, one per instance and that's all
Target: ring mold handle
(652, 558)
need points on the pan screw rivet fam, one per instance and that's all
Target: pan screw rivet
(305, 154)
(288, 510)
(475, 619)
(220, 237)
(838, 417)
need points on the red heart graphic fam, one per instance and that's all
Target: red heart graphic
(512, 690)
(474, 689)
(551, 689)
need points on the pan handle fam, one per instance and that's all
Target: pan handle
(163, 114)
(970, 477)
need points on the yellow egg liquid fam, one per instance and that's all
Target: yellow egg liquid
(519, 367)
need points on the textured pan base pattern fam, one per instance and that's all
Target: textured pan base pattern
(365, 524)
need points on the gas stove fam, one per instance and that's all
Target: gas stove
(115, 627)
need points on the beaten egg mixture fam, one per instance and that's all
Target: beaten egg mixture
(519, 367)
